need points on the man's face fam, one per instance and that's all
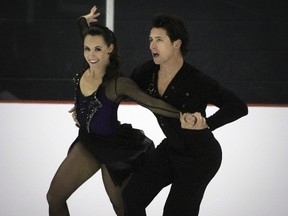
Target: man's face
(162, 49)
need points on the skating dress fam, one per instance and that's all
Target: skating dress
(120, 147)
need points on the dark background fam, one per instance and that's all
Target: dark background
(241, 43)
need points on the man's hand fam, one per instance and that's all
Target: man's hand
(193, 121)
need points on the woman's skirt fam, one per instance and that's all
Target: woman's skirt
(123, 152)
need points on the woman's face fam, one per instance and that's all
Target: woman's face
(96, 51)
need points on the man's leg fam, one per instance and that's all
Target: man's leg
(144, 185)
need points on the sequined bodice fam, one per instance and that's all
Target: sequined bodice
(96, 113)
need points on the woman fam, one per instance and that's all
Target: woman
(103, 143)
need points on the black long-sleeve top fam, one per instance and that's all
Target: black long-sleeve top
(191, 91)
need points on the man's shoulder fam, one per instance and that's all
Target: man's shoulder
(193, 74)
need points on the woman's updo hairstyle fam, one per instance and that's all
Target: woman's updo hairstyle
(113, 69)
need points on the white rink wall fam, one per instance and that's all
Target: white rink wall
(35, 137)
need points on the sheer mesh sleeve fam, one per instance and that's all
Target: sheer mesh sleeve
(83, 26)
(122, 87)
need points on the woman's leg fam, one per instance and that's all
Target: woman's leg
(114, 192)
(78, 166)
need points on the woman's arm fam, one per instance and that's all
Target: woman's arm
(84, 21)
(122, 87)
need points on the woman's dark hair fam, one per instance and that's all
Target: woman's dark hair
(175, 29)
(113, 69)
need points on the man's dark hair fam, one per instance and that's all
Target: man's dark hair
(175, 29)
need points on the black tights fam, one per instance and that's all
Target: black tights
(77, 168)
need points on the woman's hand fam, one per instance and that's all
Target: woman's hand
(91, 17)
(74, 116)
(193, 121)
